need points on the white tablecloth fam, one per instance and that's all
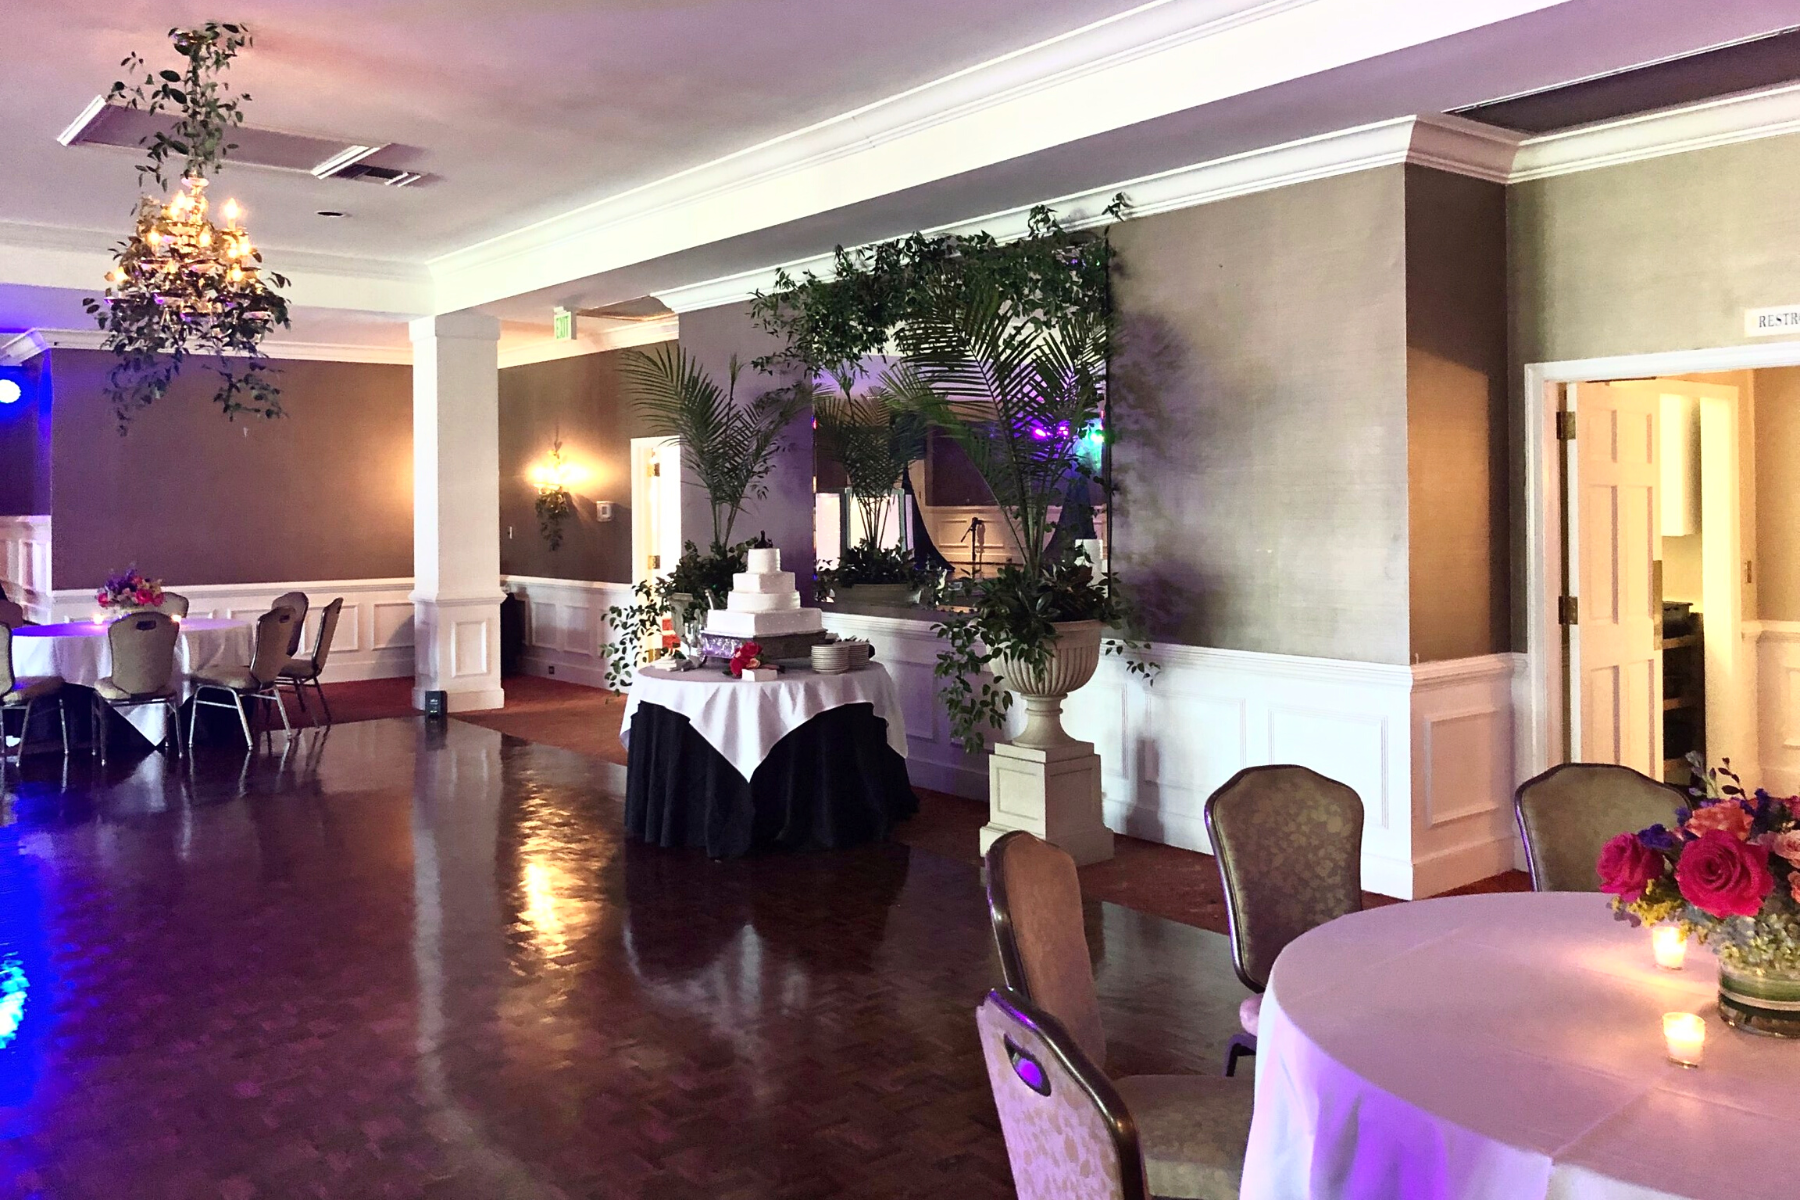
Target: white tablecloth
(744, 720)
(78, 651)
(1508, 1047)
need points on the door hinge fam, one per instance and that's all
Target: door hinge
(655, 470)
(656, 562)
(1568, 610)
(1565, 426)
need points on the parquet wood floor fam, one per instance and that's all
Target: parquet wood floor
(406, 961)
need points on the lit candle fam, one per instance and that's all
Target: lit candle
(1669, 944)
(1685, 1034)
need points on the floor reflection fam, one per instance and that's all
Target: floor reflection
(399, 959)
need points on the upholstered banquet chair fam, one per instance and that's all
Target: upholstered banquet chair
(174, 604)
(1191, 1128)
(298, 604)
(298, 672)
(1068, 1133)
(142, 648)
(12, 615)
(1569, 812)
(1289, 845)
(25, 694)
(254, 682)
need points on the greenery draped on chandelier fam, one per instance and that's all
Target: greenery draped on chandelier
(183, 285)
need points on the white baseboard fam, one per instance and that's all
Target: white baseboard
(566, 630)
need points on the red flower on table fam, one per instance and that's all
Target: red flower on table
(749, 655)
(1627, 867)
(1724, 877)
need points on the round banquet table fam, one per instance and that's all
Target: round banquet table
(1507, 1046)
(729, 765)
(78, 651)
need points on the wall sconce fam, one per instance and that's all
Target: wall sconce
(554, 503)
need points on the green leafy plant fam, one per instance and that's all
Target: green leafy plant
(705, 581)
(182, 286)
(730, 447)
(554, 506)
(865, 563)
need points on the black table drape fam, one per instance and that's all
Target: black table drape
(832, 782)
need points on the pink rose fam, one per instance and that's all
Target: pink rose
(1724, 877)
(1786, 845)
(1627, 867)
(1726, 816)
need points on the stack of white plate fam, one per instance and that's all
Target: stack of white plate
(831, 658)
(860, 652)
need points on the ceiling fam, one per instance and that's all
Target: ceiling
(516, 109)
(623, 147)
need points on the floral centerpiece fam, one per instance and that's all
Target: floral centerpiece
(1728, 873)
(129, 589)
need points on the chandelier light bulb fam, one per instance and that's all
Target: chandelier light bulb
(230, 211)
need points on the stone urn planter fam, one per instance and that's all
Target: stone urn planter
(1073, 660)
(1044, 781)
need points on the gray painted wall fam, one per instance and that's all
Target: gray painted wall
(324, 493)
(585, 399)
(1261, 393)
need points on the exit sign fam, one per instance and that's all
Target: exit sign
(1771, 322)
(564, 323)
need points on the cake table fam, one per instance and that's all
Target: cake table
(730, 766)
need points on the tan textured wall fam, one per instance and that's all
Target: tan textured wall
(1456, 415)
(324, 493)
(1261, 398)
(582, 398)
(1657, 255)
(1778, 493)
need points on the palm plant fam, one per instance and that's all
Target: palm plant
(1015, 389)
(730, 447)
(876, 440)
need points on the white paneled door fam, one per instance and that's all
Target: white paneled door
(1614, 535)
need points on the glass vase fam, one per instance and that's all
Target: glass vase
(1760, 999)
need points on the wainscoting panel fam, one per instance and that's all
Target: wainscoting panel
(566, 631)
(375, 627)
(1463, 771)
(1778, 694)
(25, 563)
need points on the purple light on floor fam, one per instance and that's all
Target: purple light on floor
(13, 986)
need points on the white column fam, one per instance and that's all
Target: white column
(456, 510)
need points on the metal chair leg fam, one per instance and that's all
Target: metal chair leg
(323, 702)
(1241, 1045)
(244, 720)
(193, 717)
(62, 714)
(275, 695)
(300, 694)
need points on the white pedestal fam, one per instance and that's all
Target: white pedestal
(1050, 791)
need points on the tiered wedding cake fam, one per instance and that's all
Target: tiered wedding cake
(764, 604)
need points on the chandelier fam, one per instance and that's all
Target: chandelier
(189, 268)
(182, 285)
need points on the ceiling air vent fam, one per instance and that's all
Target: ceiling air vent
(103, 124)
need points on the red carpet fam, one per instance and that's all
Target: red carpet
(1181, 885)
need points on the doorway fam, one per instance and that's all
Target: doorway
(1653, 528)
(655, 507)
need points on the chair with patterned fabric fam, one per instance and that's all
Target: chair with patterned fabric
(1068, 1135)
(298, 604)
(1569, 812)
(1191, 1128)
(1289, 845)
(254, 682)
(299, 672)
(142, 648)
(24, 695)
(173, 603)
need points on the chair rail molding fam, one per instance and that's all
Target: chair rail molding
(375, 629)
(25, 563)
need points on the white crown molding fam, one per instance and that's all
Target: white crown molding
(1446, 143)
(36, 341)
(617, 336)
(1723, 122)
(75, 259)
(1163, 57)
